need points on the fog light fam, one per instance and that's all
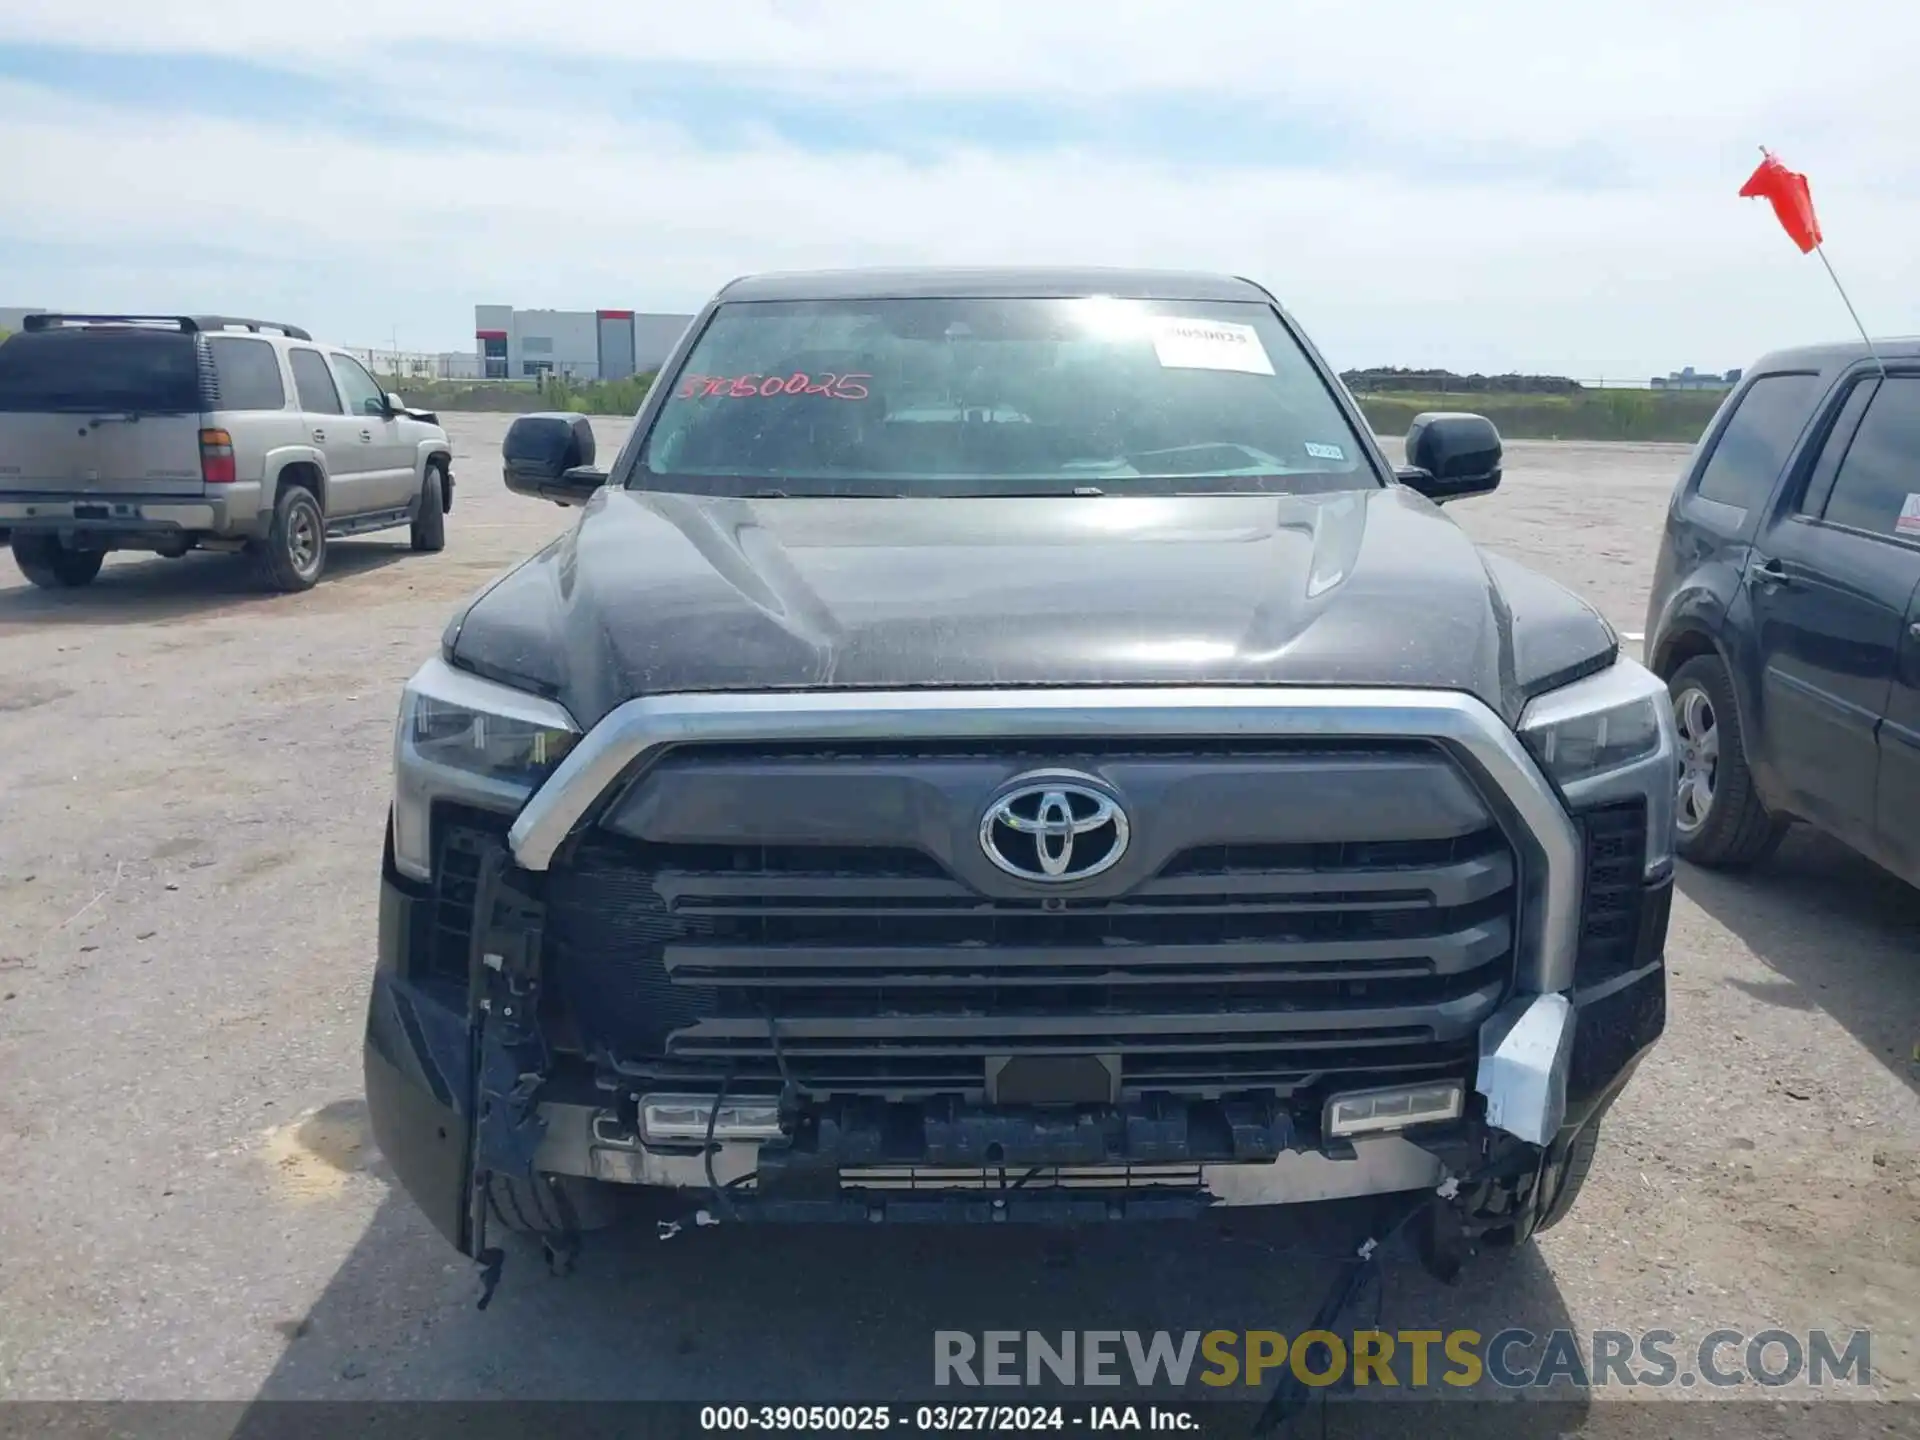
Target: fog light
(683, 1119)
(1360, 1112)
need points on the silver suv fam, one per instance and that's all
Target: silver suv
(173, 433)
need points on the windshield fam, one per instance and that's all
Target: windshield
(98, 370)
(999, 397)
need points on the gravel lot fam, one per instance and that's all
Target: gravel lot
(193, 779)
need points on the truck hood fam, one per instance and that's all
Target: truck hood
(655, 593)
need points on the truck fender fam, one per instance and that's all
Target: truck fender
(1694, 624)
(307, 464)
(426, 453)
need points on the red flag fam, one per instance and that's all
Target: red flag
(1786, 190)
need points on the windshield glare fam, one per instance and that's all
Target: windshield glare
(995, 396)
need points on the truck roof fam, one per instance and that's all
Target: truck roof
(939, 282)
(1837, 354)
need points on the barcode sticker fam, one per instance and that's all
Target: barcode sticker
(1909, 521)
(1209, 345)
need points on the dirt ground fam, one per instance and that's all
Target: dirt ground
(193, 779)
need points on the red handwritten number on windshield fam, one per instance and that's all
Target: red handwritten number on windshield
(744, 387)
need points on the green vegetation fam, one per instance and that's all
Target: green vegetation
(1645, 415)
(1387, 378)
(522, 397)
(599, 397)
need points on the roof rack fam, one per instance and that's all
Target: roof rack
(188, 324)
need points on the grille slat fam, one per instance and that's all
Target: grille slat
(1173, 972)
(1209, 1072)
(989, 1035)
(1114, 964)
(1051, 1177)
(709, 892)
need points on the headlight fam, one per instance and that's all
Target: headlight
(1610, 737)
(509, 748)
(470, 740)
(1596, 725)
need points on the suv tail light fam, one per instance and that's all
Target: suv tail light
(216, 457)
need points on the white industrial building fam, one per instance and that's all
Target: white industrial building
(420, 364)
(584, 344)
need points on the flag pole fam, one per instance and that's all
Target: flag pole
(1821, 251)
(1803, 228)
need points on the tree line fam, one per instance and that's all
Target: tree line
(1388, 378)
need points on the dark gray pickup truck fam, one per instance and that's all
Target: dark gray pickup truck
(1008, 745)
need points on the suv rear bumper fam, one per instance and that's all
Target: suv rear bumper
(232, 511)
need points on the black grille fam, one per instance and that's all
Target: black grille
(606, 927)
(461, 838)
(1614, 890)
(1260, 966)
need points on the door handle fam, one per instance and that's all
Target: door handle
(1914, 630)
(1772, 572)
(320, 437)
(367, 435)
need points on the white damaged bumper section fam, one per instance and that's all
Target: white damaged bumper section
(1525, 1050)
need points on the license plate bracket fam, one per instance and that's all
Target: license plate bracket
(1053, 1079)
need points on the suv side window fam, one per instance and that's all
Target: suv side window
(314, 383)
(1878, 487)
(1755, 443)
(248, 372)
(1833, 449)
(363, 395)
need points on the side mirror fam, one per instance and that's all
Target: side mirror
(550, 457)
(1451, 456)
(395, 405)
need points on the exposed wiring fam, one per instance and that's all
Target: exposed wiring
(1290, 1396)
(722, 1201)
(790, 1088)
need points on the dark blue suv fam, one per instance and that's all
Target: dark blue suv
(1785, 614)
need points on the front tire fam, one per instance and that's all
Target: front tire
(1720, 820)
(543, 1204)
(294, 553)
(1573, 1175)
(52, 566)
(430, 523)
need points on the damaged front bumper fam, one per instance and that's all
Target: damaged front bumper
(461, 1084)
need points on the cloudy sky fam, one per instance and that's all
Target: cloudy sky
(1480, 184)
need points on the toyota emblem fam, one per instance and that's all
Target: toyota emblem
(1053, 827)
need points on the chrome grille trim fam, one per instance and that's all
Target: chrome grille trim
(1527, 805)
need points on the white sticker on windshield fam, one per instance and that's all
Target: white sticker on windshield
(1209, 345)
(1909, 521)
(1325, 452)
